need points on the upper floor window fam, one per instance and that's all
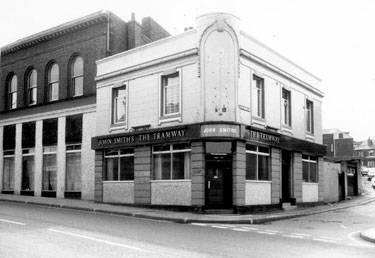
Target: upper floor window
(371, 153)
(12, 92)
(53, 82)
(77, 76)
(171, 95)
(309, 169)
(31, 87)
(287, 112)
(309, 116)
(119, 106)
(258, 96)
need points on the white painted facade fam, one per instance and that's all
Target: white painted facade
(216, 63)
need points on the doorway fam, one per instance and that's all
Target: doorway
(218, 181)
(286, 172)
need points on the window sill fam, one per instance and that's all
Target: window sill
(116, 127)
(259, 121)
(118, 182)
(169, 180)
(310, 183)
(258, 181)
(172, 118)
(287, 129)
(310, 137)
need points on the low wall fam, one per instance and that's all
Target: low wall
(118, 192)
(176, 192)
(257, 192)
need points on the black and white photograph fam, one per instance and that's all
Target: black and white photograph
(187, 128)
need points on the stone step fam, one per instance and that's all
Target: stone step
(286, 206)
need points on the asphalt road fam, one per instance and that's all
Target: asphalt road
(33, 231)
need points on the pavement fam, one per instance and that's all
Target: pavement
(190, 217)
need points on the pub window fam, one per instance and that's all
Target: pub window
(257, 163)
(119, 165)
(286, 108)
(258, 97)
(119, 105)
(309, 169)
(171, 161)
(170, 95)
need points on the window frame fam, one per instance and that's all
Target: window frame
(309, 116)
(32, 89)
(309, 160)
(114, 112)
(73, 149)
(118, 156)
(47, 151)
(74, 77)
(28, 152)
(286, 107)
(258, 96)
(163, 117)
(258, 153)
(9, 154)
(53, 84)
(12, 93)
(171, 151)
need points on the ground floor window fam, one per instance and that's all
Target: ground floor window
(257, 163)
(49, 182)
(119, 165)
(171, 161)
(28, 170)
(309, 169)
(8, 175)
(73, 179)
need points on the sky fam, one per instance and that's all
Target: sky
(332, 39)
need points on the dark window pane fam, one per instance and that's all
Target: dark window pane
(111, 169)
(251, 148)
(162, 148)
(251, 166)
(9, 140)
(178, 166)
(127, 168)
(264, 149)
(126, 151)
(305, 171)
(313, 173)
(263, 168)
(73, 129)
(50, 132)
(28, 135)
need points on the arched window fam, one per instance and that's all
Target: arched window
(77, 76)
(53, 82)
(31, 87)
(12, 92)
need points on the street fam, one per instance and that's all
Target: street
(36, 231)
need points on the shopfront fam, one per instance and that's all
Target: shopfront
(206, 166)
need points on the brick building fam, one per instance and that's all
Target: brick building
(208, 119)
(48, 102)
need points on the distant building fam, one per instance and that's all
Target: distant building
(210, 118)
(348, 180)
(48, 103)
(365, 151)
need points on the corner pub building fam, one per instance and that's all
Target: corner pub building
(208, 119)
